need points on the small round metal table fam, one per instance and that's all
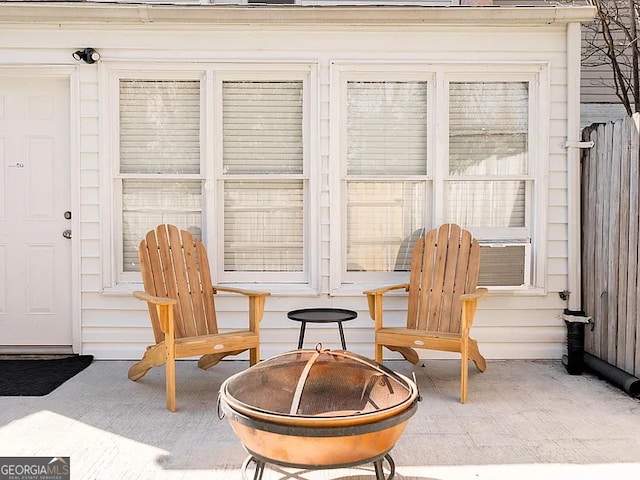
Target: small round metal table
(321, 315)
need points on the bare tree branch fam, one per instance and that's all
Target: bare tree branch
(612, 41)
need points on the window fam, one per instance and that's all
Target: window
(396, 179)
(159, 177)
(262, 179)
(386, 171)
(222, 155)
(488, 186)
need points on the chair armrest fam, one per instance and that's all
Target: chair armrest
(469, 304)
(474, 296)
(144, 296)
(256, 303)
(383, 290)
(374, 301)
(163, 313)
(248, 293)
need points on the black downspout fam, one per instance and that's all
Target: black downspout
(574, 359)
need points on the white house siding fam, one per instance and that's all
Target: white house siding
(113, 325)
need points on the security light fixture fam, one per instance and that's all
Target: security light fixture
(88, 55)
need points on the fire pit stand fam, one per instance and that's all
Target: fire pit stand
(260, 464)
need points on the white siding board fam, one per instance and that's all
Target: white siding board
(559, 128)
(558, 163)
(90, 211)
(523, 334)
(90, 230)
(90, 248)
(528, 350)
(90, 161)
(90, 195)
(89, 143)
(89, 177)
(557, 283)
(558, 249)
(557, 266)
(558, 110)
(120, 350)
(90, 265)
(499, 318)
(113, 335)
(557, 196)
(116, 319)
(557, 232)
(96, 300)
(89, 125)
(90, 283)
(557, 179)
(557, 214)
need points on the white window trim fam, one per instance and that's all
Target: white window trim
(535, 73)
(117, 282)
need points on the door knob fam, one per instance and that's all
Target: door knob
(66, 234)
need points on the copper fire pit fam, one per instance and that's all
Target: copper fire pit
(318, 409)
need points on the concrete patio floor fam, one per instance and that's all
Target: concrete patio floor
(524, 420)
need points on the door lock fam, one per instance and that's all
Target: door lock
(67, 215)
(66, 234)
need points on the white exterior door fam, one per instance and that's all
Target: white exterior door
(35, 258)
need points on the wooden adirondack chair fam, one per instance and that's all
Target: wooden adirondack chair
(441, 302)
(180, 298)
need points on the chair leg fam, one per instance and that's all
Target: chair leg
(170, 374)
(210, 359)
(464, 373)
(254, 356)
(378, 352)
(409, 354)
(153, 357)
(476, 356)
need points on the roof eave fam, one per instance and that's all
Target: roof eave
(100, 13)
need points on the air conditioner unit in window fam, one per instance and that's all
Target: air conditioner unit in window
(504, 264)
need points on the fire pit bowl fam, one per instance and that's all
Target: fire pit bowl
(318, 409)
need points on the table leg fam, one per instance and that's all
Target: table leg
(344, 344)
(303, 326)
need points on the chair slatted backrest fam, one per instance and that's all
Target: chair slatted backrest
(175, 265)
(445, 264)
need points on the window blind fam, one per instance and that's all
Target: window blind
(488, 126)
(148, 203)
(263, 226)
(262, 127)
(386, 128)
(159, 126)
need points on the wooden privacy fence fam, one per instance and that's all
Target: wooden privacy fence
(610, 242)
